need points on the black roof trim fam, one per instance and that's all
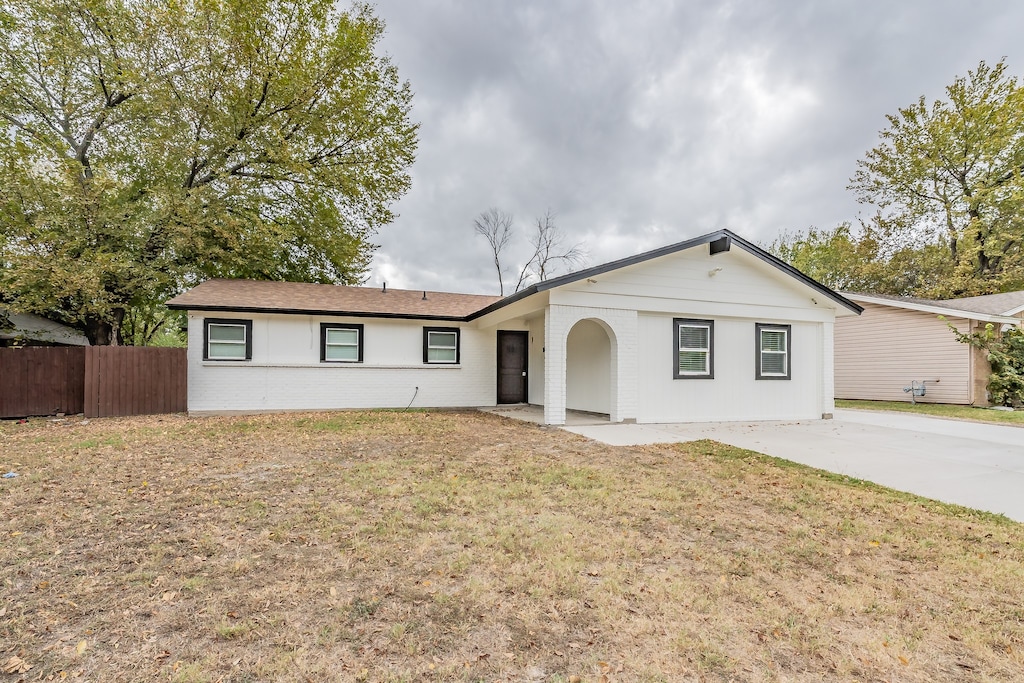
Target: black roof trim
(298, 311)
(749, 247)
(511, 299)
(545, 285)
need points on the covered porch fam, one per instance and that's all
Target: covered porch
(579, 366)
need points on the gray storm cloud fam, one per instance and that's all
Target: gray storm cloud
(644, 123)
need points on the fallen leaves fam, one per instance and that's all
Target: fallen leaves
(16, 665)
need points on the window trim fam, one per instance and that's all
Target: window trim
(693, 322)
(324, 327)
(238, 322)
(458, 345)
(788, 329)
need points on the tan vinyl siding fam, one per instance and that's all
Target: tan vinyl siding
(884, 349)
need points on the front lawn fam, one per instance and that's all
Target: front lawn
(1015, 417)
(389, 546)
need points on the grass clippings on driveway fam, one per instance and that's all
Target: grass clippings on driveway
(387, 546)
(969, 413)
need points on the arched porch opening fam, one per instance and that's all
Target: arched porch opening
(590, 368)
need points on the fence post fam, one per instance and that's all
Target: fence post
(91, 380)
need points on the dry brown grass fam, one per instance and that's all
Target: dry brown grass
(389, 546)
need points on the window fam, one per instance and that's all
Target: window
(693, 355)
(341, 343)
(227, 339)
(440, 345)
(773, 350)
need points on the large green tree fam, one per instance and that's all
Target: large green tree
(854, 259)
(949, 173)
(149, 144)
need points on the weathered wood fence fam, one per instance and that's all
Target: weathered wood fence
(100, 381)
(40, 380)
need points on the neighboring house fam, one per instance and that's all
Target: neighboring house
(713, 328)
(27, 329)
(900, 340)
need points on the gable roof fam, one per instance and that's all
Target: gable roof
(316, 299)
(263, 296)
(948, 307)
(720, 240)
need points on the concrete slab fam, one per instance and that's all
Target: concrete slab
(972, 464)
(531, 413)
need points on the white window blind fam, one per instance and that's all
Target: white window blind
(694, 349)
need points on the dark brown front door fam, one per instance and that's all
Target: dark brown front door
(511, 367)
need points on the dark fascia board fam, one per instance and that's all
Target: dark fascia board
(302, 311)
(502, 303)
(749, 247)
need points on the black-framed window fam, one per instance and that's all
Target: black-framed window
(227, 339)
(693, 354)
(341, 343)
(774, 351)
(441, 345)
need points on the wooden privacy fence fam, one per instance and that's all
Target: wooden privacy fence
(42, 380)
(128, 380)
(100, 381)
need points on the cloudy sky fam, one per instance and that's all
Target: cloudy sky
(642, 123)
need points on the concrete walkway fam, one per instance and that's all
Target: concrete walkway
(976, 465)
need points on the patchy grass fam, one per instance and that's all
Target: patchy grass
(970, 413)
(386, 546)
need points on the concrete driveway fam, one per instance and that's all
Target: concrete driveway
(977, 465)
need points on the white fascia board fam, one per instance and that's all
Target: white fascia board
(937, 310)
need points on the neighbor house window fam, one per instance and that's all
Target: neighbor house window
(693, 355)
(341, 343)
(774, 345)
(440, 345)
(227, 339)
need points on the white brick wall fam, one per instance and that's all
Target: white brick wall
(285, 372)
(828, 384)
(633, 305)
(621, 327)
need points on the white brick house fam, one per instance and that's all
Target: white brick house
(713, 328)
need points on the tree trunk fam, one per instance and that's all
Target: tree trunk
(106, 331)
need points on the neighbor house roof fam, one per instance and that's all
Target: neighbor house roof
(949, 307)
(314, 299)
(261, 296)
(1008, 303)
(37, 328)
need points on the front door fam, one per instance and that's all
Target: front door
(511, 367)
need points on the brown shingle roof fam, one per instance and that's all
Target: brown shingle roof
(304, 297)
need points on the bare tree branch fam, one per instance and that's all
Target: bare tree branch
(549, 252)
(495, 226)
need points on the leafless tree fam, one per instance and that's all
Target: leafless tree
(496, 227)
(548, 243)
(550, 252)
